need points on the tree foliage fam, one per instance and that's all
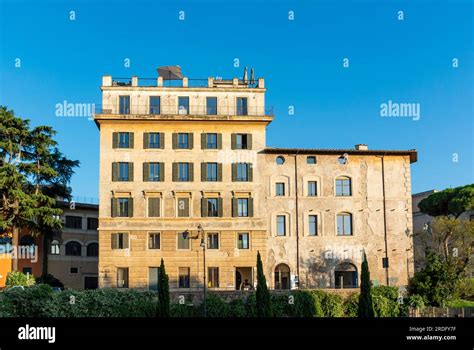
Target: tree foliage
(449, 202)
(264, 305)
(366, 305)
(163, 292)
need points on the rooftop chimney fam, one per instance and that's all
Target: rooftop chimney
(361, 147)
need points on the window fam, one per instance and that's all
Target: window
(280, 189)
(212, 207)
(123, 171)
(92, 223)
(28, 270)
(183, 171)
(183, 140)
(213, 279)
(154, 240)
(154, 172)
(211, 172)
(242, 106)
(93, 249)
(242, 172)
(155, 102)
(27, 242)
(73, 221)
(313, 225)
(123, 140)
(211, 141)
(153, 274)
(184, 277)
(343, 186)
(124, 104)
(211, 105)
(243, 240)
(54, 247)
(154, 207)
(73, 248)
(242, 141)
(183, 241)
(311, 160)
(153, 140)
(344, 224)
(122, 207)
(183, 105)
(242, 207)
(73, 270)
(312, 188)
(120, 240)
(122, 277)
(281, 225)
(282, 277)
(183, 207)
(213, 240)
(280, 160)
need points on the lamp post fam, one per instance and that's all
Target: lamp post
(203, 245)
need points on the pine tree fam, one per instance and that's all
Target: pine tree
(163, 292)
(366, 306)
(264, 305)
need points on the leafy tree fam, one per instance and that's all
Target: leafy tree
(163, 292)
(33, 173)
(366, 305)
(264, 304)
(17, 278)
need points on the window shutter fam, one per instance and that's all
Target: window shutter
(113, 206)
(234, 207)
(203, 141)
(191, 140)
(114, 241)
(125, 241)
(234, 171)
(130, 207)
(203, 207)
(175, 140)
(130, 171)
(250, 208)
(162, 171)
(115, 140)
(220, 207)
(191, 171)
(249, 141)
(186, 207)
(146, 140)
(219, 171)
(233, 141)
(203, 171)
(219, 141)
(114, 171)
(145, 171)
(250, 169)
(175, 171)
(130, 137)
(153, 207)
(162, 140)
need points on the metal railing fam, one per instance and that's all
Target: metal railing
(175, 109)
(185, 83)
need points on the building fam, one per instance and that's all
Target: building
(185, 166)
(72, 253)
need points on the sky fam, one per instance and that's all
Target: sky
(333, 63)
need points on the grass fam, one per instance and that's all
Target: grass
(461, 303)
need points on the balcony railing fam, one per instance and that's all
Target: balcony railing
(174, 109)
(182, 83)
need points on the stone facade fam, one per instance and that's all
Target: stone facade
(252, 215)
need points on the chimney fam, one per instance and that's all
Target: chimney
(361, 147)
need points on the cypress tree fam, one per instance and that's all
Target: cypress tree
(264, 306)
(163, 292)
(366, 306)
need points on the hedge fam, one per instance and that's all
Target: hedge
(41, 301)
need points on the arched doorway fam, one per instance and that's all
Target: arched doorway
(345, 276)
(282, 277)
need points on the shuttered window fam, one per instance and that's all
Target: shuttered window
(242, 172)
(122, 140)
(153, 140)
(154, 207)
(183, 207)
(120, 240)
(154, 240)
(122, 207)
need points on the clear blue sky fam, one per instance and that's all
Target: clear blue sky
(301, 60)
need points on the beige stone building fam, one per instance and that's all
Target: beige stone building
(185, 176)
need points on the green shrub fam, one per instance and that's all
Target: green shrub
(182, 310)
(351, 305)
(331, 304)
(215, 307)
(251, 305)
(34, 301)
(237, 308)
(17, 278)
(305, 304)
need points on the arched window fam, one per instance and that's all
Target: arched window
(345, 275)
(73, 248)
(282, 277)
(344, 224)
(280, 160)
(54, 249)
(93, 249)
(343, 186)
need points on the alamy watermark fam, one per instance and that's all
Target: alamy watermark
(76, 110)
(400, 110)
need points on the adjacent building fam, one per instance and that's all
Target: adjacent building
(186, 176)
